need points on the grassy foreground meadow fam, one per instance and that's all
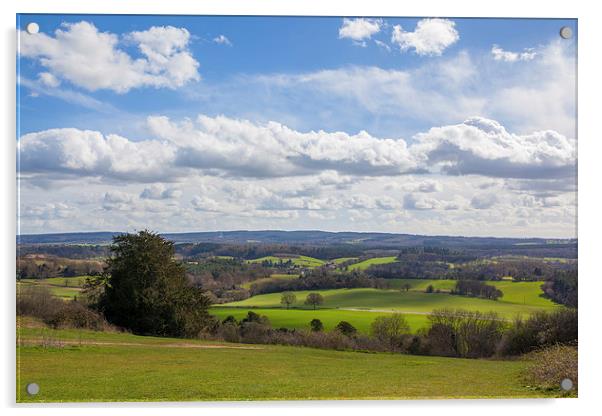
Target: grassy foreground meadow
(79, 365)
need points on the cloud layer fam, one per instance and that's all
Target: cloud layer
(94, 60)
(223, 146)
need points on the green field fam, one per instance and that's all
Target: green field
(528, 293)
(363, 265)
(343, 259)
(57, 285)
(77, 366)
(300, 261)
(300, 318)
(361, 306)
(395, 300)
(273, 277)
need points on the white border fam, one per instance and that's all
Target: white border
(590, 150)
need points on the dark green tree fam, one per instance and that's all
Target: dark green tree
(346, 328)
(316, 325)
(147, 292)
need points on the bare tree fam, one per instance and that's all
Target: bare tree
(288, 298)
(390, 330)
(314, 299)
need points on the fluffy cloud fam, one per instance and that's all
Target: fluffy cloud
(221, 146)
(92, 60)
(90, 153)
(243, 148)
(500, 54)
(484, 147)
(222, 40)
(359, 30)
(431, 36)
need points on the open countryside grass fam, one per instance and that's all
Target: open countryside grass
(301, 261)
(59, 291)
(363, 265)
(300, 318)
(273, 277)
(77, 281)
(343, 259)
(409, 302)
(527, 293)
(156, 369)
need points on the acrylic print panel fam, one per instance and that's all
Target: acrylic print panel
(295, 208)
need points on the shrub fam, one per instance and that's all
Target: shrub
(430, 289)
(540, 330)
(464, 333)
(316, 325)
(255, 332)
(390, 330)
(346, 328)
(37, 301)
(229, 332)
(551, 365)
(75, 315)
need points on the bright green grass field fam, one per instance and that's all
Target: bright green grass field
(528, 293)
(363, 265)
(301, 261)
(300, 318)
(134, 368)
(343, 259)
(410, 302)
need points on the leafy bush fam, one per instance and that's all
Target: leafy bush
(316, 325)
(540, 330)
(345, 328)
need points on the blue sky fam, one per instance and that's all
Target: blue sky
(431, 126)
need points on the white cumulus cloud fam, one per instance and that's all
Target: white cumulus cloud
(93, 60)
(482, 146)
(431, 36)
(359, 29)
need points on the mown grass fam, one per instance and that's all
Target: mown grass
(300, 318)
(137, 368)
(301, 261)
(363, 265)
